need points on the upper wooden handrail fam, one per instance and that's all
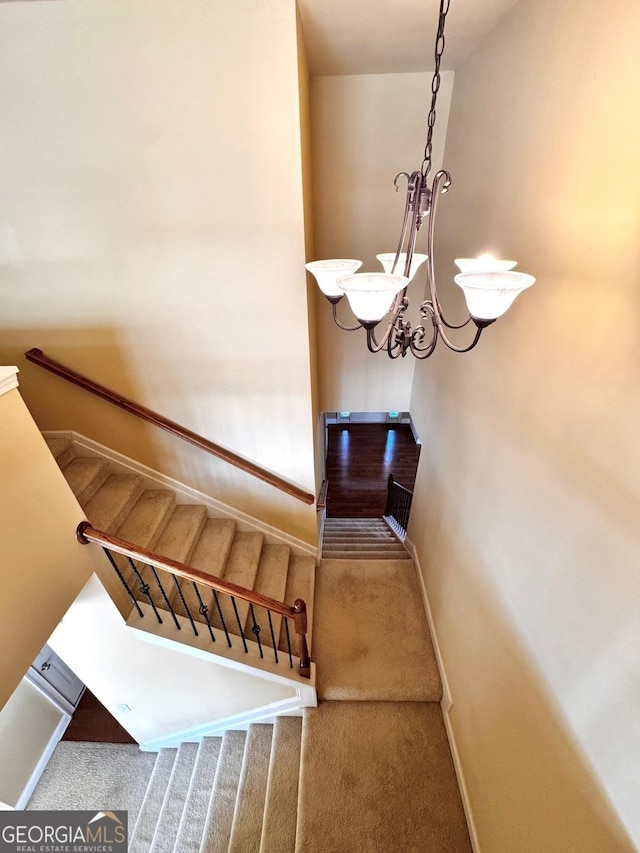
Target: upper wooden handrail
(38, 357)
(85, 534)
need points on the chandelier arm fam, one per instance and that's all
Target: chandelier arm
(374, 345)
(426, 311)
(453, 347)
(334, 309)
(441, 184)
(407, 208)
(424, 352)
(414, 197)
(456, 326)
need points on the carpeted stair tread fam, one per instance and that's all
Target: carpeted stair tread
(366, 545)
(209, 555)
(166, 830)
(281, 802)
(213, 546)
(196, 803)
(373, 554)
(180, 534)
(372, 640)
(241, 568)
(246, 831)
(217, 829)
(142, 526)
(142, 835)
(271, 580)
(61, 449)
(110, 505)
(359, 536)
(300, 584)
(85, 475)
(390, 785)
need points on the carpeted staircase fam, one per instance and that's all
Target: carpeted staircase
(368, 771)
(224, 794)
(119, 504)
(360, 539)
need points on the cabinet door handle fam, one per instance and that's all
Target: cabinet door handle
(45, 666)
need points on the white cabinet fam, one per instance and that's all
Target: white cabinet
(32, 722)
(55, 677)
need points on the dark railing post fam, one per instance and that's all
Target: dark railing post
(387, 506)
(300, 621)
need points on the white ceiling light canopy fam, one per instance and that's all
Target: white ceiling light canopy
(489, 285)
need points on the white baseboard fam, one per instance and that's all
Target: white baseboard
(446, 702)
(155, 480)
(266, 714)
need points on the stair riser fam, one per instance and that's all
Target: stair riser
(365, 555)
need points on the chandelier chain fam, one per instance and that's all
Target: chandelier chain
(435, 86)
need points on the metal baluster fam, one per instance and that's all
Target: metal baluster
(124, 583)
(273, 639)
(256, 629)
(203, 610)
(286, 628)
(224, 624)
(144, 589)
(164, 595)
(184, 604)
(235, 608)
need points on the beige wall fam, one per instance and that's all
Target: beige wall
(365, 130)
(526, 509)
(152, 235)
(42, 566)
(167, 691)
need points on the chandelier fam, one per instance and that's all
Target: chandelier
(489, 285)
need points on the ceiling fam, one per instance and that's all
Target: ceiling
(391, 36)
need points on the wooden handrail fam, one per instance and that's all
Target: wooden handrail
(38, 357)
(86, 534)
(322, 495)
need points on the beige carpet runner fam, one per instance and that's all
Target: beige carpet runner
(368, 771)
(371, 636)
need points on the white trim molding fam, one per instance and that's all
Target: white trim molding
(155, 480)
(8, 379)
(265, 714)
(446, 703)
(251, 662)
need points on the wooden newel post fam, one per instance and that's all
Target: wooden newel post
(300, 621)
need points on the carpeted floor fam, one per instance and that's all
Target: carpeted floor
(94, 776)
(371, 639)
(377, 777)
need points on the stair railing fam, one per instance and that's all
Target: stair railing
(157, 579)
(398, 506)
(38, 357)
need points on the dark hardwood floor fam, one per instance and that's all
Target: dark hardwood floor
(92, 722)
(360, 458)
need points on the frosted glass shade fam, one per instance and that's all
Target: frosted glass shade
(489, 294)
(484, 263)
(328, 272)
(371, 294)
(387, 259)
